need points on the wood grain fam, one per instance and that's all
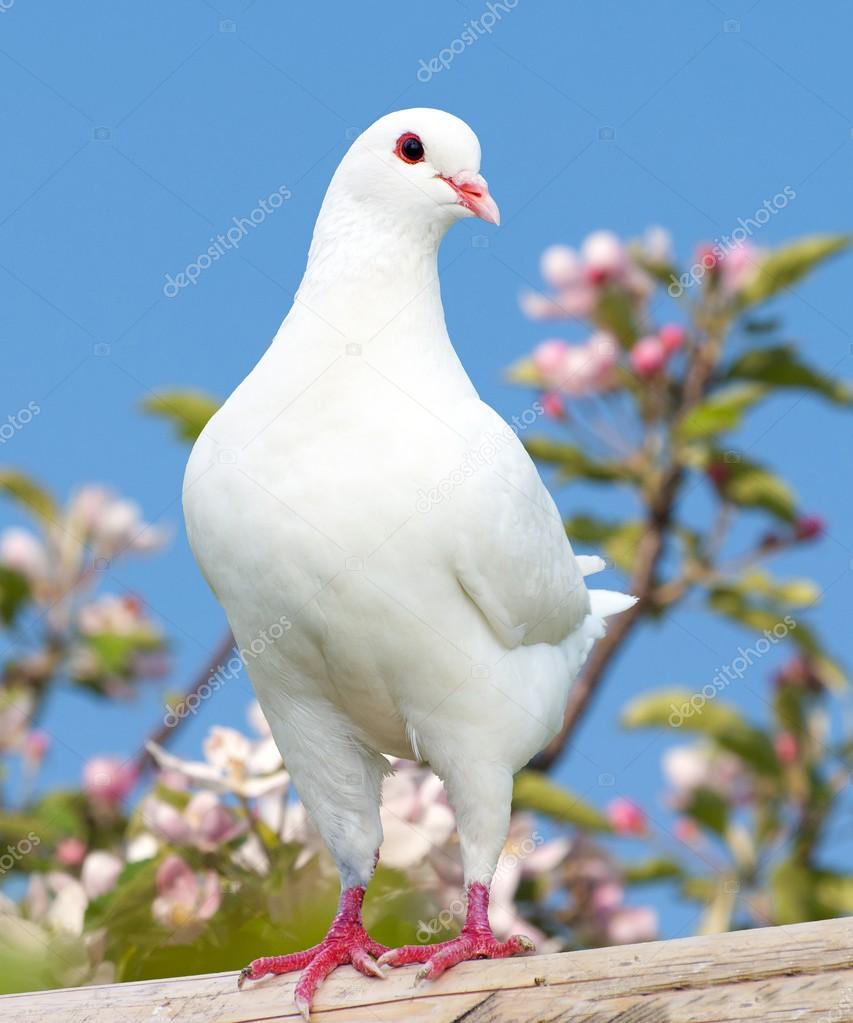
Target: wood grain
(802, 973)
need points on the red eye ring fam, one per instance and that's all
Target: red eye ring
(409, 148)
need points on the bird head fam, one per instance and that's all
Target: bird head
(421, 167)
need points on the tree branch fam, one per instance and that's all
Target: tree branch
(661, 504)
(166, 731)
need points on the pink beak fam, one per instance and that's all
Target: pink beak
(473, 194)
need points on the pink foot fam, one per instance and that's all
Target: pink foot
(346, 942)
(475, 942)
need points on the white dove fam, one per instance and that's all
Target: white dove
(356, 488)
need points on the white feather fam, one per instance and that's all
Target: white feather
(356, 492)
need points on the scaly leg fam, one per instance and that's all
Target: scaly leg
(346, 942)
(475, 942)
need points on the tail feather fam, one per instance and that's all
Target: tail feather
(589, 564)
(604, 603)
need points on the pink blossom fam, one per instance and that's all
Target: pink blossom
(205, 822)
(707, 256)
(626, 817)
(23, 552)
(687, 831)
(184, 898)
(690, 767)
(548, 358)
(604, 256)
(16, 707)
(36, 745)
(799, 671)
(561, 266)
(630, 924)
(546, 857)
(579, 370)
(570, 303)
(739, 265)
(258, 721)
(687, 767)
(108, 780)
(607, 896)
(114, 615)
(71, 852)
(809, 527)
(672, 337)
(787, 748)
(100, 873)
(415, 816)
(589, 368)
(114, 525)
(232, 764)
(718, 473)
(648, 356)
(657, 246)
(553, 406)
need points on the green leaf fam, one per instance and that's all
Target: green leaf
(789, 264)
(621, 546)
(116, 651)
(703, 889)
(63, 812)
(795, 898)
(23, 489)
(536, 792)
(787, 592)
(524, 372)
(615, 313)
(835, 891)
(647, 871)
(589, 529)
(781, 366)
(704, 712)
(679, 708)
(188, 410)
(722, 411)
(664, 273)
(750, 485)
(573, 463)
(708, 808)
(14, 593)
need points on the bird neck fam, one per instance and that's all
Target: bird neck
(367, 268)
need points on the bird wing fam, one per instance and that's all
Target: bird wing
(512, 556)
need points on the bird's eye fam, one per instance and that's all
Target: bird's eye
(410, 148)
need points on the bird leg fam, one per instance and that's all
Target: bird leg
(476, 941)
(346, 942)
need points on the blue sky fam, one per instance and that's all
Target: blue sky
(136, 132)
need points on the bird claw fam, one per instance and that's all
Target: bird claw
(480, 944)
(346, 942)
(304, 1007)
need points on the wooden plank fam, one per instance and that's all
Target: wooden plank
(804, 972)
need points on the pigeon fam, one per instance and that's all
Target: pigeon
(355, 491)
